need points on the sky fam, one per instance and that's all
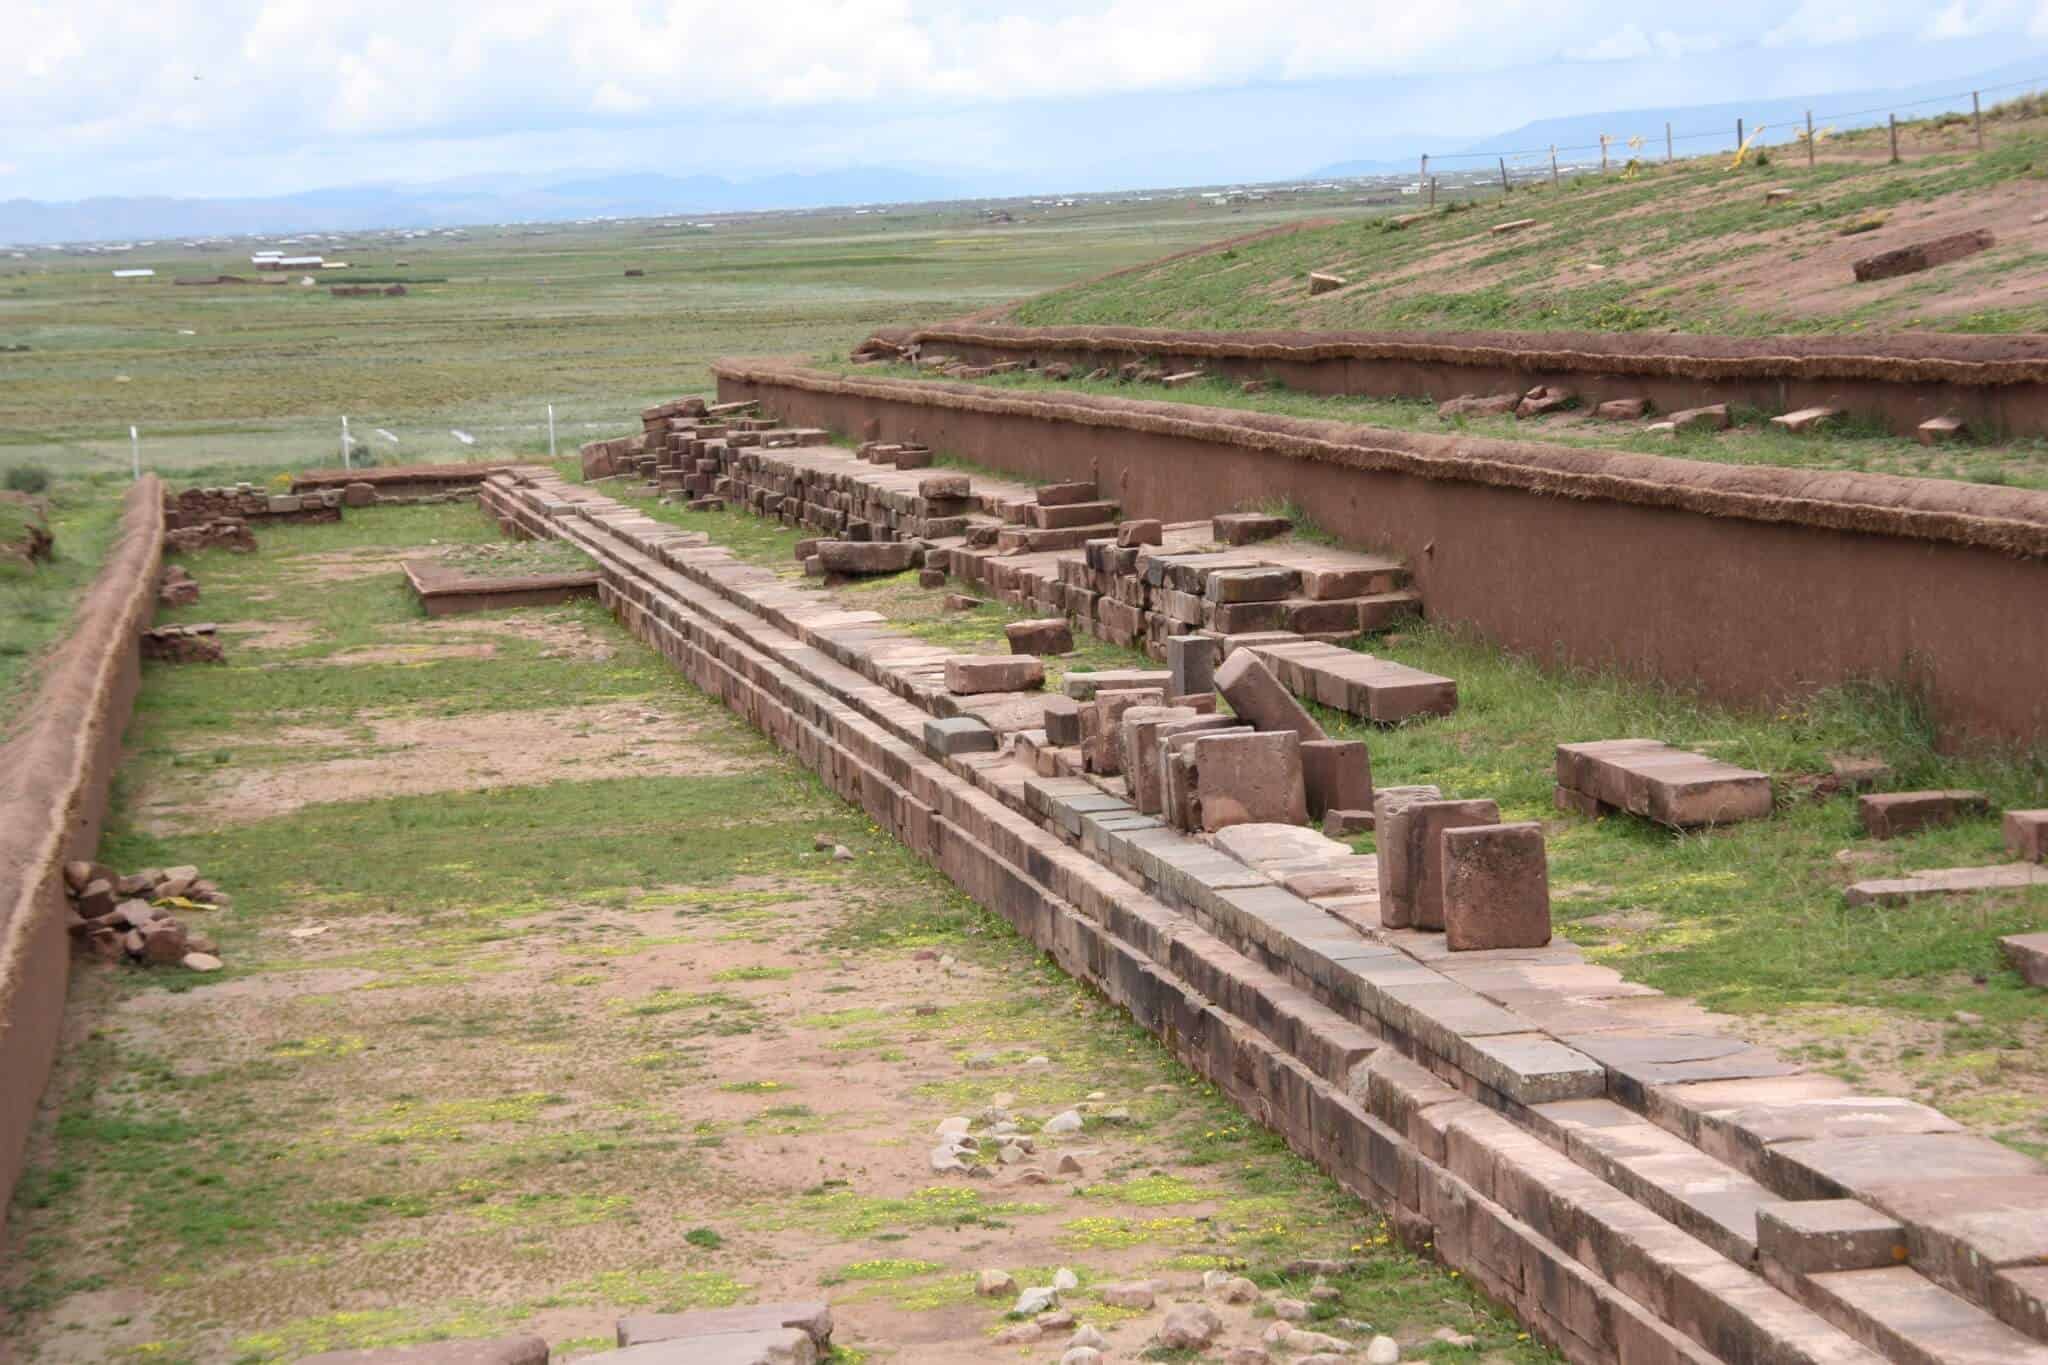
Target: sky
(261, 97)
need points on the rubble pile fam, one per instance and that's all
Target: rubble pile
(24, 529)
(135, 918)
(194, 644)
(177, 587)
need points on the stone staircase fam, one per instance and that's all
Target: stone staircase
(1635, 1184)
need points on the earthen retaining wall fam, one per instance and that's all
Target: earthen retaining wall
(55, 774)
(1751, 584)
(1997, 384)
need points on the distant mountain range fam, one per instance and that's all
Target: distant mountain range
(475, 199)
(1700, 128)
(572, 194)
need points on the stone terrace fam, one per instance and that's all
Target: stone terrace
(1637, 1186)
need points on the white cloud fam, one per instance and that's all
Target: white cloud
(86, 82)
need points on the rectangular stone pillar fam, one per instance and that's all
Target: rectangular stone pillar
(1496, 887)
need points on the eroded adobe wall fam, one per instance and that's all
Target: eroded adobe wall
(1997, 384)
(56, 771)
(1752, 584)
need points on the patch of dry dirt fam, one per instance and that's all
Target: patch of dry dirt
(410, 755)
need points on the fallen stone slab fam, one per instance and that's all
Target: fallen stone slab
(770, 1346)
(1888, 815)
(519, 1350)
(1805, 420)
(1648, 777)
(1322, 282)
(859, 557)
(1478, 405)
(1048, 635)
(1919, 256)
(1937, 431)
(810, 1316)
(1622, 409)
(969, 674)
(1258, 698)
(1947, 881)
(1713, 417)
(2028, 954)
(1246, 528)
(445, 590)
(1084, 686)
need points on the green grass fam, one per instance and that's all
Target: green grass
(1621, 253)
(36, 603)
(1752, 440)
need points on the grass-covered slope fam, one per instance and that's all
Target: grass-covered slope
(1691, 246)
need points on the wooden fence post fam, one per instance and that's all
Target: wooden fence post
(1432, 191)
(1603, 153)
(1738, 135)
(1809, 139)
(1667, 142)
(1895, 137)
(1504, 187)
(1553, 165)
(1977, 117)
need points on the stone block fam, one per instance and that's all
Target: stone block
(1814, 1236)
(1140, 532)
(1247, 779)
(1105, 736)
(1622, 409)
(2026, 835)
(1660, 783)
(931, 578)
(1246, 528)
(1139, 746)
(1084, 686)
(942, 487)
(969, 674)
(811, 1317)
(1937, 431)
(1049, 635)
(958, 735)
(1805, 420)
(1343, 824)
(1888, 815)
(1062, 721)
(1918, 256)
(2028, 954)
(1066, 494)
(856, 557)
(358, 495)
(1496, 887)
(1251, 585)
(1239, 618)
(1713, 417)
(1258, 698)
(517, 1350)
(1190, 664)
(1337, 774)
(1409, 834)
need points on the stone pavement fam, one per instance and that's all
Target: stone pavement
(1594, 1154)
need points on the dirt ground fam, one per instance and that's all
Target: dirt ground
(543, 1012)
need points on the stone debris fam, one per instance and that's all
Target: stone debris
(194, 644)
(1650, 778)
(973, 674)
(231, 533)
(1496, 887)
(177, 588)
(2028, 954)
(1622, 410)
(1805, 420)
(1947, 881)
(2026, 835)
(1189, 1327)
(232, 509)
(1919, 256)
(1409, 831)
(524, 1349)
(1477, 405)
(1049, 636)
(1542, 399)
(34, 540)
(995, 1284)
(1889, 815)
(1322, 282)
(1138, 1295)
(134, 918)
(1937, 431)
(791, 1333)
(1712, 417)
(1512, 225)
(1035, 1300)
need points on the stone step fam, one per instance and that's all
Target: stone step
(1910, 1318)
(1709, 1199)
(1649, 778)
(2028, 954)
(1947, 881)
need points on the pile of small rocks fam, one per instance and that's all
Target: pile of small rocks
(195, 644)
(960, 1151)
(230, 532)
(118, 918)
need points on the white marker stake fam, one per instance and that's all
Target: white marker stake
(462, 436)
(387, 435)
(135, 450)
(346, 463)
(551, 431)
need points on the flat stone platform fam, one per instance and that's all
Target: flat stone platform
(447, 591)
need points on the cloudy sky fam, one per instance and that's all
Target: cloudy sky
(257, 97)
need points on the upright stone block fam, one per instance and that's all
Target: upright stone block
(1496, 887)
(1409, 835)
(1062, 721)
(1140, 750)
(1246, 779)
(958, 735)
(1257, 697)
(1105, 740)
(1337, 774)
(1050, 635)
(1191, 662)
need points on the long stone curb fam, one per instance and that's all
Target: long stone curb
(56, 770)
(1590, 1269)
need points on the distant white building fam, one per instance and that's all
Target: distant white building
(133, 274)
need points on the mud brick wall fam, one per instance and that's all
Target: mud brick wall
(198, 506)
(56, 770)
(1751, 584)
(1996, 384)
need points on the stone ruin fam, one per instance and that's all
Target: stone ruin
(135, 918)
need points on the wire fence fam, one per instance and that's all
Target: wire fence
(1809, 132)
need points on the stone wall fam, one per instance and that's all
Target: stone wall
(56, 770)
(1751, 584)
